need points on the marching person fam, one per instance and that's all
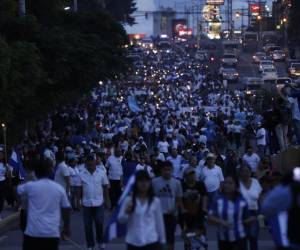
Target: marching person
(47, 203)
(230, 212)
(251, 191)
(95, 196)
(169, 191)
(115, 175)
(143, 214)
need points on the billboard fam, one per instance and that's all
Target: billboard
(215, 2)
(256, 8)
(179, 25)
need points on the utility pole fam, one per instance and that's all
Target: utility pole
(22, 8)
(229, 17)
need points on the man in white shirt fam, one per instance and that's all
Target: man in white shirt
(163, 146)
(62, 173)
(251, 159)
(176, 162)
(46, 203)
(115, 176)
(261, 140)
(212, 176)
(94, 185)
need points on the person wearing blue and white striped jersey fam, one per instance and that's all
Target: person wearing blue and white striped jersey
(230, 212)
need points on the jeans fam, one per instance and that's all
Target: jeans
(115, 192)
(261, 150)
(93, 215)
(281, 133)
(252, 231)
(296, 125)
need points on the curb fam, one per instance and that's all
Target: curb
(9, 219)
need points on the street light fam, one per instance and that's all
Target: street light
(259, 17)
(284, 20)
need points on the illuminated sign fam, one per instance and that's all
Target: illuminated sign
(215, 2)
(256, 9)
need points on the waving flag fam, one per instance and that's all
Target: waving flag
(16, 163)
(132, 104)
(115, 229)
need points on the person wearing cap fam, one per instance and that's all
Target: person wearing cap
(212, 176)
(194, 202)
(94, 186)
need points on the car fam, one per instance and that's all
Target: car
(269, 74)
(253, 85)
(257, 56)
(230, 74)
(278, 55)
(268, 45)
(229, 59)
(272, 49)
(264, 64)
(289, 62)
(201, 55)
(294, 70)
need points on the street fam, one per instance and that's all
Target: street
(11, 240)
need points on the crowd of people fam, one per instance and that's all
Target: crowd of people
(200, 154)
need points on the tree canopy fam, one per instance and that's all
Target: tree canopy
(50, 53)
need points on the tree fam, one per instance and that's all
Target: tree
(293, 23)
(122, 10)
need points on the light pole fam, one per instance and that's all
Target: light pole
(284, 24)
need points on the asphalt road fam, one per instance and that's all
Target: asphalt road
(12, 239)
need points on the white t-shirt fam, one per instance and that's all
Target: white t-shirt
(74, 177)
(45, 198)
(252, 160)
(61, 172)
(114, 166)
(176, 162)
(212, 178)
(163, 146)
(251, 195)
(92, 187)
(261, 132)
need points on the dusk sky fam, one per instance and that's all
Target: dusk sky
(146, 26)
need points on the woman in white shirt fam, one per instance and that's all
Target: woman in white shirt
(251, 190)
(142, 213)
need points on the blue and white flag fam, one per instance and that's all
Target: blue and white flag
(132, 104)
(115, 229)
(16, 163)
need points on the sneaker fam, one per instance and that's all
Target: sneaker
(102, 246)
